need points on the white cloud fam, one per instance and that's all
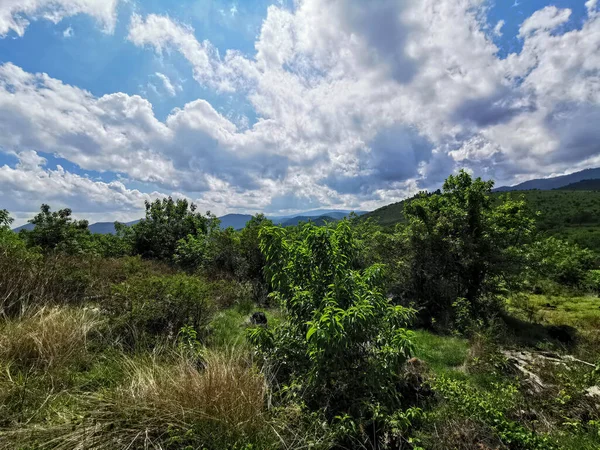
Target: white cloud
(29, 184)
(168, 85)
(498, 28)
(15, 15)
(68, 33)
(545, 19)
(357, 105)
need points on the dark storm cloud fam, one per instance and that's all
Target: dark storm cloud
(395, 155)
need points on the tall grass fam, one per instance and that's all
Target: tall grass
(168, 401)
(49, 338)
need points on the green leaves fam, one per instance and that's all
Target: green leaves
(460, 245)
(342, 339)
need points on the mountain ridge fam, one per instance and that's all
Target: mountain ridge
(237, 221)
(560, 181)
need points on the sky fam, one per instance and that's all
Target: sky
(284, 106)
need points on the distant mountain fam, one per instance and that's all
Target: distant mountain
(321, 220)
(98, 227)
(27, 226)
(236, 221)
(335, 213)
(546, 184)
(584, 185)
(102, 228)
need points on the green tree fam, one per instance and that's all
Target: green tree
(5, 219)
(342, 342)
(254, 257)
(167, 222)
(463, 250)
(562, 262)
(57, 231)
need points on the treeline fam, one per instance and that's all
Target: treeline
(459, 251)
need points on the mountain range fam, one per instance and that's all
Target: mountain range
(238, 221)
(546, 184)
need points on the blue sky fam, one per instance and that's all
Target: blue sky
(282, 106)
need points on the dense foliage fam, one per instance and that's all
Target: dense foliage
(168, 221)
(342, 343)
(463, 250)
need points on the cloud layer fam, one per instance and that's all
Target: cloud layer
(356, 105)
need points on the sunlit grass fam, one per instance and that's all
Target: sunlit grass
(441, 353)
(582, 312)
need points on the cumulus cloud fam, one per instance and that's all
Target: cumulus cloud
(30, 183)
(357, 105)
(15, 15)
(544, 20)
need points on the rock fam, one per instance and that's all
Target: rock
(593, 391)
(258, 318)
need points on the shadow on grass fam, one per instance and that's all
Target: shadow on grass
(537, 335)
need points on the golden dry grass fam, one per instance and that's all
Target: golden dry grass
(51, 337)
(167, 399)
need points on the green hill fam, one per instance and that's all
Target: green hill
(569, 214)
(583, 185)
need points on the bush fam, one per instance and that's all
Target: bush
(593, 281)
(166, 223)
(342, 345)
(30, 279)
(462, 248)
(144, 309)
(562, 262)
(57, 231)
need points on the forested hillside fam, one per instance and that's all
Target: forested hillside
(569, 214)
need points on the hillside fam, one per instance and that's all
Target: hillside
(569, 214)
(584, 185)
(316, 220)
(237, 221)
(553, 182)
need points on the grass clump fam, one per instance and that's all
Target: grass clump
(165, 400)
(50, 338)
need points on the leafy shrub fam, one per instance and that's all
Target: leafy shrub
(166, 223)
(57, 231)
(342, 344)
(489, 408)
(144, 309)
(560, 261)
(593, 281)
(461, 246)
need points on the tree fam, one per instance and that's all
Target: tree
(5, 219)
(254, 258)
(57, 231)
(166, 223)
(562, 262)
(342, 342)
(463, 249)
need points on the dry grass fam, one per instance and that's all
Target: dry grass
(52, 337)
(168, 402)
(226, 390)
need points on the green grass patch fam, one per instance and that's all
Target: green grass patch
(227, 328)
(581, 312)
(442, 353)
